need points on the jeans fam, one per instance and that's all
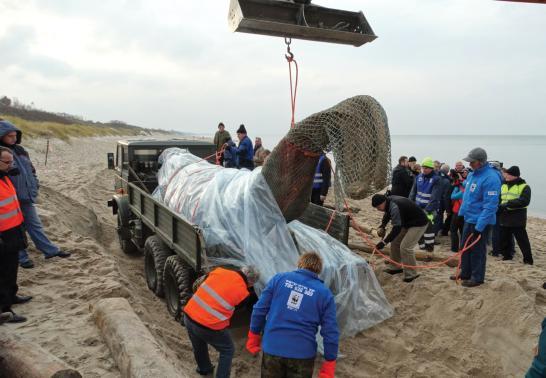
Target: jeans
(200, 337)
(473, 260)
(35, 230)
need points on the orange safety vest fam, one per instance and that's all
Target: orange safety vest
(213, 303)
(10, 211)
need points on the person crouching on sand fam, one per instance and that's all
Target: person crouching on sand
(409, 223)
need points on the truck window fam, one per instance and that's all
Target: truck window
(125, 159)
(118, 157)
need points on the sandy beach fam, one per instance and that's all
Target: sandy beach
(439, 328)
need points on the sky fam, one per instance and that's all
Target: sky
(437, 66)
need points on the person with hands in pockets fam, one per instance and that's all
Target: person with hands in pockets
(289, 312)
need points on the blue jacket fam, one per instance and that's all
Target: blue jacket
(481, 197)
(26, 183)
(295, 304)
(245, 151)
(426, 192)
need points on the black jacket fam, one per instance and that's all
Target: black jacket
(402, 213)
(402, 181)
(514, 213)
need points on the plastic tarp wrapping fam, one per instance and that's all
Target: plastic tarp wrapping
(360, 300)
(242, 225)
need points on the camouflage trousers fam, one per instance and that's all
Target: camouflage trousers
(281, 367)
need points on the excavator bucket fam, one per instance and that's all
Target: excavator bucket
(282, 18)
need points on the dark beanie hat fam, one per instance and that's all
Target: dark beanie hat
(513, 171)
(378, 199)
(241, 129)
(412, 158)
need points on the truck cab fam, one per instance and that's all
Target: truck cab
(137, 160)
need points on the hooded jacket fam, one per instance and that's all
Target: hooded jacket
(26, 183)
(481, 197)
(514, 212)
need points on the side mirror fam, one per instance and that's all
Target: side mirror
(110, 157)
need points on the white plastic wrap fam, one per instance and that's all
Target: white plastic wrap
(242, 224)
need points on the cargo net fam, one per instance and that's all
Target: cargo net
(357, 133)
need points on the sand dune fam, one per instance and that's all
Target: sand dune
(439, 328)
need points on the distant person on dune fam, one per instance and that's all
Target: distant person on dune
(26, 184)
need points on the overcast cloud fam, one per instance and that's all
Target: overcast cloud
(438, 66)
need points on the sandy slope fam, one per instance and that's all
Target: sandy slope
(439, 329)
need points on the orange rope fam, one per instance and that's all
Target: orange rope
(330, 222)
(428, 266)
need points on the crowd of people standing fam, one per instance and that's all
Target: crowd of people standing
(482, 203)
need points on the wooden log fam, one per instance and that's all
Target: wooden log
(22, 359)
(421, 256)
(133, 347)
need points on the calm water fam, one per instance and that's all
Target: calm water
(527, 152)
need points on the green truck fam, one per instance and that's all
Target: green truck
(174, 249)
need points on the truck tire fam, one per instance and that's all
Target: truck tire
(178, 278)
(155, 255)
(124, 237)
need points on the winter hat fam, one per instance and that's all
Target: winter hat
(241, 129)
(412, 158)
(513, 171)
(427, 163)
(378, 199)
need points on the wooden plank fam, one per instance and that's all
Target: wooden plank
(419, 255)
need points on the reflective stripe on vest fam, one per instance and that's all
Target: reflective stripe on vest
(10, 212)
(318, 180)
(512, 193)
(424, 190)
(213, 303)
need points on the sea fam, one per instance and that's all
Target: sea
(525, 151)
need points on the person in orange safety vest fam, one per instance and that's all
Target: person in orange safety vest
(207, 315)
(12, 239)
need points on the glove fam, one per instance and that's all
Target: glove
(430, 217)
(380, 245)
(253, 343)
(381, 232)
(328, 369)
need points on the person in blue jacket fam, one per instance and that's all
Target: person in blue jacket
(479, 208)
(244, 151)
(27, 185)
(230, 156)
(427, 194)
(289, 312)
(538, 366)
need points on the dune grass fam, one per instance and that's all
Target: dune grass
(33, 129)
